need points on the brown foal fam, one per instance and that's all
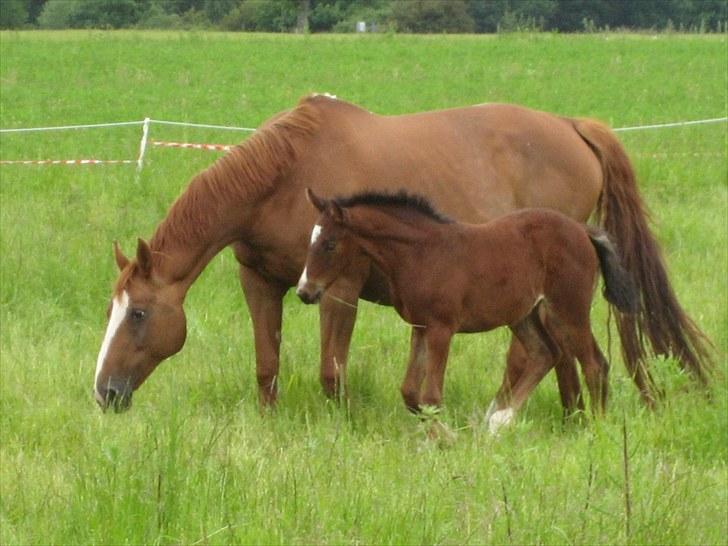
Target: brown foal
(533, 271)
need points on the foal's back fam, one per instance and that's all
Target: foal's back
(516, 260)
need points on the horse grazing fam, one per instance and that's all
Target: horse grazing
(532, 270)
(473, 163)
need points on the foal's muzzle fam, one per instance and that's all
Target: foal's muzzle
(309, 294)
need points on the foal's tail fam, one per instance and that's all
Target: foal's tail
(619, 288)
(659, 317)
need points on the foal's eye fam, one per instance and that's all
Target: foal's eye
(138, 315)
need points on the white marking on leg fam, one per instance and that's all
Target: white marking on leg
(119, 307)
(302, 282)
(490, 411)
(500, 419)
(315, 233)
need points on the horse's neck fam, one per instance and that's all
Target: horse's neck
(197, 227)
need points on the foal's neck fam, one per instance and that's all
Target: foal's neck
(396, 246)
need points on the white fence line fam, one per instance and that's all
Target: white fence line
(65, 127)
(673, 124)
(202, 125)
(147, 122)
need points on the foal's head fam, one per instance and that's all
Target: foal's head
(331, 251)
(146, 325)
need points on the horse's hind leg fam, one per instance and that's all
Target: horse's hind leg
(541, 353)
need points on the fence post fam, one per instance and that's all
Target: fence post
(143, 146)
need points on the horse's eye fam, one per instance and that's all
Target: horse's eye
(138, 315)
(329, 245)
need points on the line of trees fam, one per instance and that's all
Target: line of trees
(417, 16)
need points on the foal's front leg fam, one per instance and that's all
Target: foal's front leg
(415, 370)
(337, 315)
(437, 341)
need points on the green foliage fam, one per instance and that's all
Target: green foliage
(432, 16)
(417, 16)
(58, 14)
(324, 16)
(262, 16)
(13, 13)
(194, 462)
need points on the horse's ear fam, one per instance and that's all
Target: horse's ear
(144, 257)
(315, 200)
(121, 260)
(336, 211)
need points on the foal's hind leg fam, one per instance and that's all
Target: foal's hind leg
(566, 375)
(542, 353)
(595, 368)
(576, 336)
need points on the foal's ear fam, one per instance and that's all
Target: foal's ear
(337, 213)
(144, 257)
(121, 260)
(315, 200)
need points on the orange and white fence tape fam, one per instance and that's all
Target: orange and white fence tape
(68, 162)
(212, 147)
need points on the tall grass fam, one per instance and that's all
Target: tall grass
(194, 462)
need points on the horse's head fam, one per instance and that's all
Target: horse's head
(146, 325)
(331, 253)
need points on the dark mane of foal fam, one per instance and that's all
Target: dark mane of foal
(402, 199)
(247, 170)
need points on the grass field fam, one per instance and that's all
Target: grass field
(194, 462)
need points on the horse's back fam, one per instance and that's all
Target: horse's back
(475, 163)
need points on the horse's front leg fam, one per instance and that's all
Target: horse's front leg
(337, 315)
(265, 303)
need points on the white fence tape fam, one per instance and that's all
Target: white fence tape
(146, 123)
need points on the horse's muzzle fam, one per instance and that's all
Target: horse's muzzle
(118, 399)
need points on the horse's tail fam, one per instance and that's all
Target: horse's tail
(659, 317)
(619, 288)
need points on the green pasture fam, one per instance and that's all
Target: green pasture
(194, 462)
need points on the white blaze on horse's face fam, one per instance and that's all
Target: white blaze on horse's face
(315, 233)
(119, 307)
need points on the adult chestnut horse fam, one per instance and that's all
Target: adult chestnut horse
(474, 164)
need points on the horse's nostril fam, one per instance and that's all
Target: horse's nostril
(111, 395)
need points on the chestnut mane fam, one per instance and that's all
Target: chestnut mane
(246, 171)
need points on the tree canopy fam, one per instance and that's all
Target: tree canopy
(414, 16)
